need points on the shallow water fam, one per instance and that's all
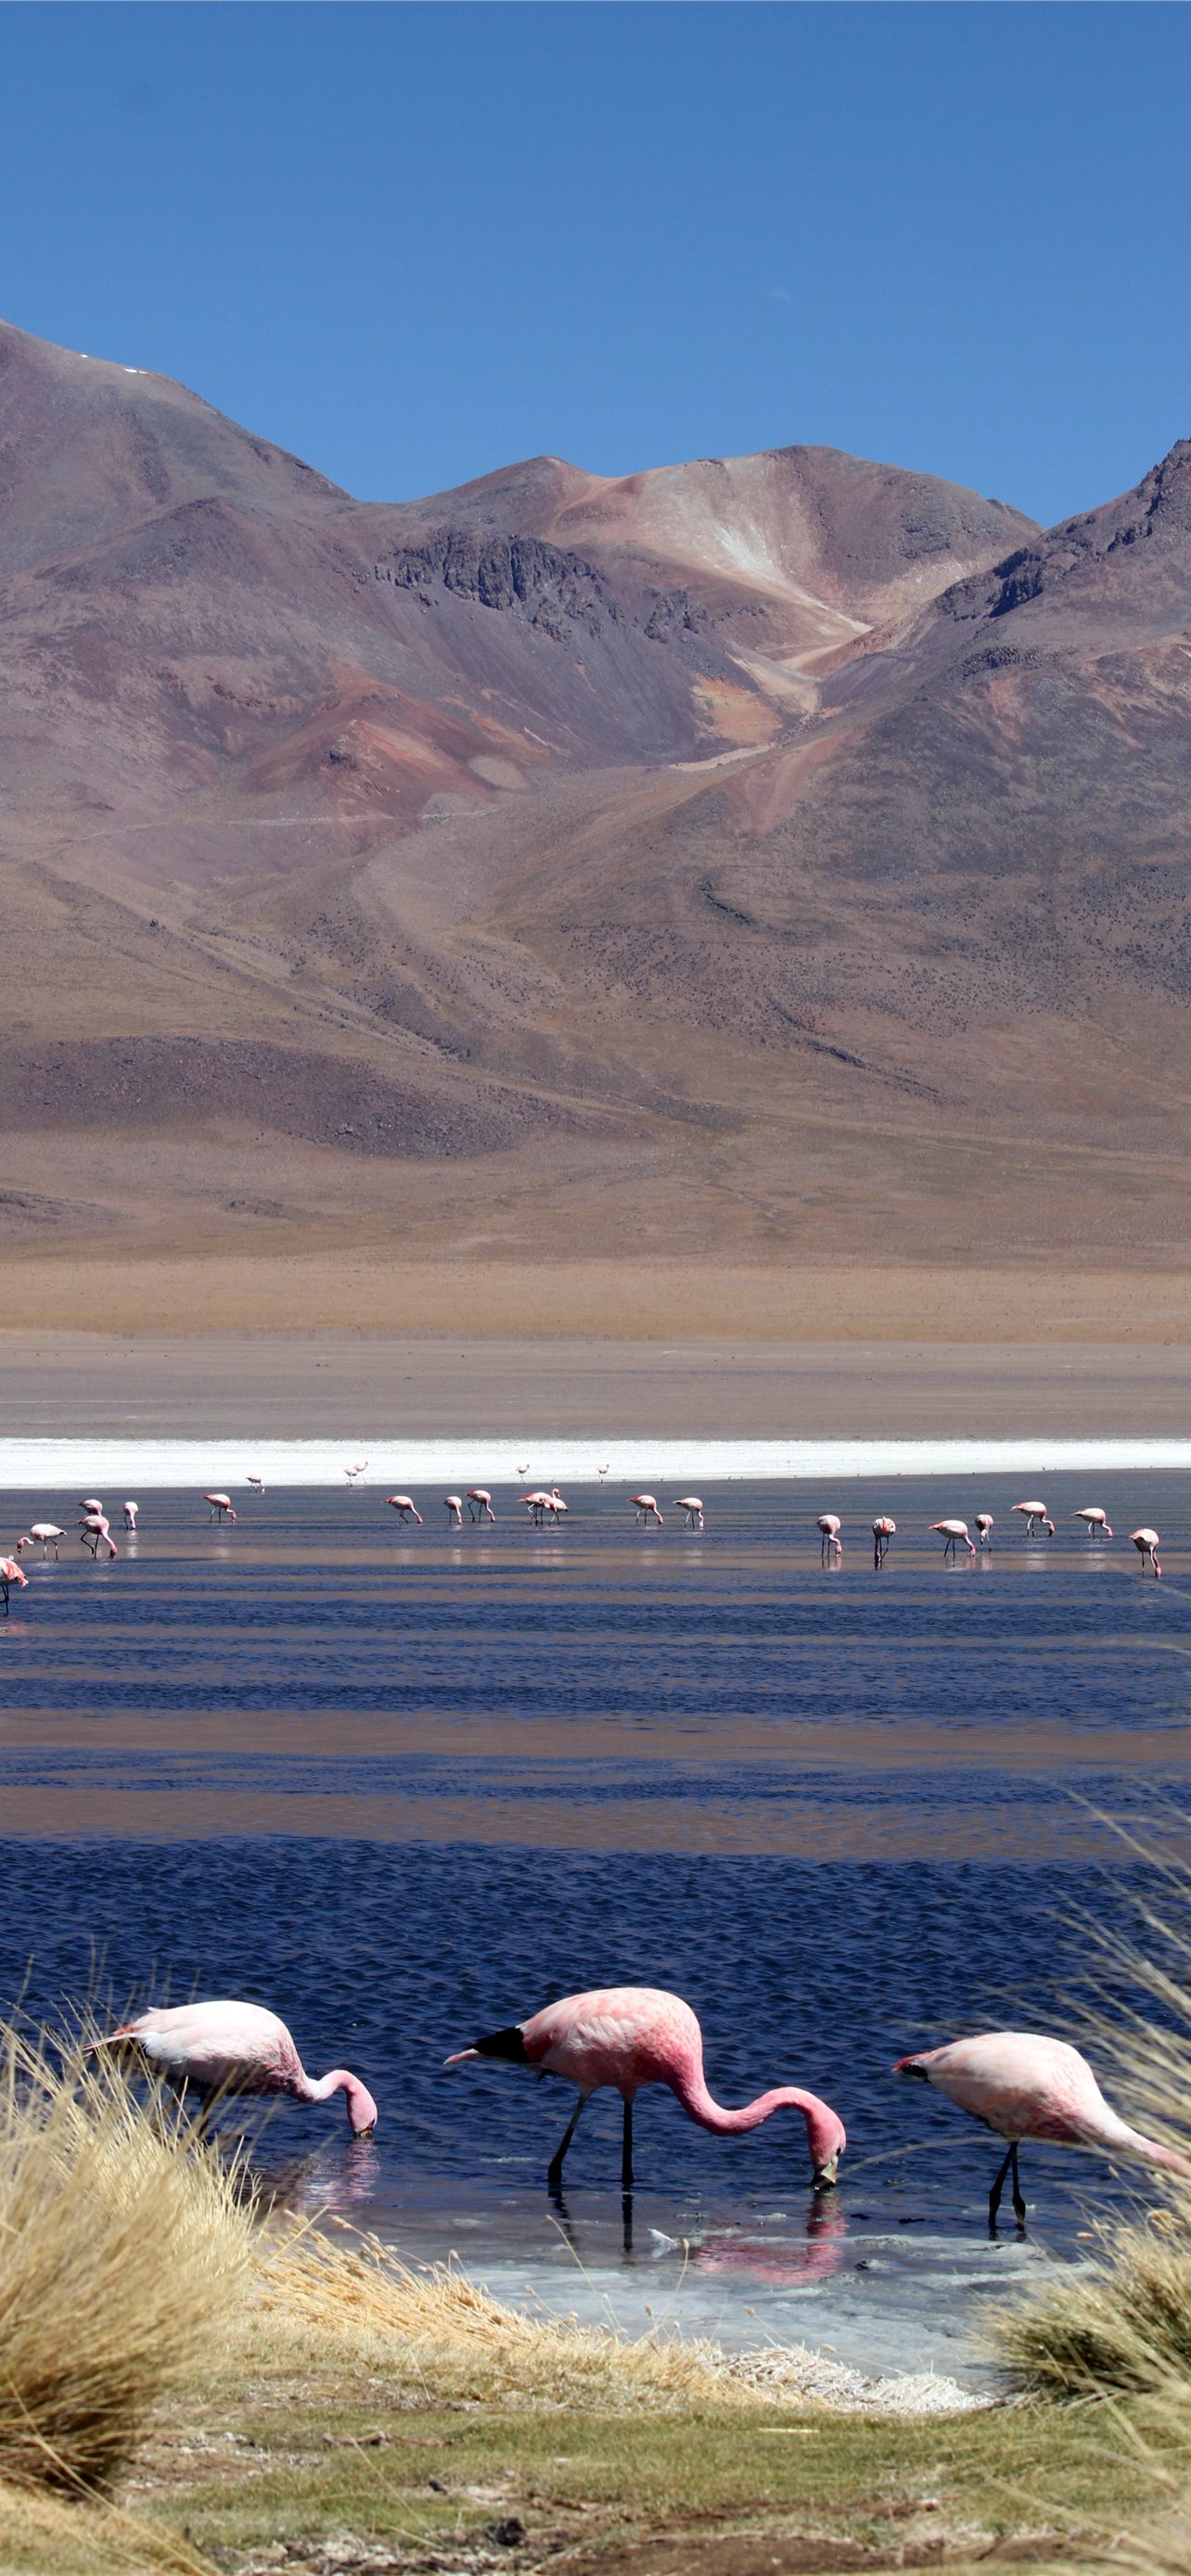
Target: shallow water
(406, 1787)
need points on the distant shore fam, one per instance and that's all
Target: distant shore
(143, 1377)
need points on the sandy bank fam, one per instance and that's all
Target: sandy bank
(143, 1382)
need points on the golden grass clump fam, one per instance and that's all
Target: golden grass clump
(441, 2337)
(1121, 2323)
(121, 2248)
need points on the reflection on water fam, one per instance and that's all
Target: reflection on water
(404, 1790)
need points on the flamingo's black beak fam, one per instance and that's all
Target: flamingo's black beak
(825, 2176)
(361, 2134)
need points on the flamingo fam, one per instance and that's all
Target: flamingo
(984, 1529)
(480, 1496)
(1035, 1512)
(883, 1530)
(540, 1503)
(353, 1474)
(602, 1471)
(225, 2047)
(130, 1513)
(628, 2036)
(95, 1528)
(1147, 1543)
(1094, 1520)
(1025, 2086)
(829, 1537)
(11, 1572)
(453, 1507)
(691, 1505)
(523, 1471)
(405, 1507)
(646, 1510)
(956, 1535)
(221, 1506)
(47, 1534)
(90, 1503)
(256, 1482)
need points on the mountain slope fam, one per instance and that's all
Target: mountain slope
(786, 853)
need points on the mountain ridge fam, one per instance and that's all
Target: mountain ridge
(763, 850)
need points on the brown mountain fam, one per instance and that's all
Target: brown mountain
(773, 855)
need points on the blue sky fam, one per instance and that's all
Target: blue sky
(414, 243)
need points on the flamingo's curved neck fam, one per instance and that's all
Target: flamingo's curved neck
(699, 2105)
(1112, 2132)
(361, 2109)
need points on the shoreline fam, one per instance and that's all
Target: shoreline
(179, 1465)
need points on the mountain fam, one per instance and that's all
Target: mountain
(774, 854)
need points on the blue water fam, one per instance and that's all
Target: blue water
(405, 1788)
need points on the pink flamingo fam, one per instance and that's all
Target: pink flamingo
(95, 1528)
(11, 1572)
(602, 1471)
(523, 1471)
(1024, 2086)
(984, 1528)
(542, 1503)
(883, 1530)
(130, 1513)
(453, 1507)
(46, 1533)
(480, 1496)
(1035, 1512)
(691, 1505)
(646, 1510)
(90, 1503)
(1094, 1520)
(221, 1506)
(1147, 1543)
(629, 2036)
(353, 1474)
(956, 1535)
(828, 1527)
(405, 1507)
(224, 2047)
(256, 1482)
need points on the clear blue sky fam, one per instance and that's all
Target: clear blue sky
(413, 243)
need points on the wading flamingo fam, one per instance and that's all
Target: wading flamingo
(956, 1535)
(829, 1537)
(646, 1510)
(130, 1513)
(602, 1471)
(94, 1532)
(90, 1503)
(984, 1528)
(353, 1474)
(691, 1505)
(257, 1483)
(405, 1507)
(220, 2048)
(1024, 2086)
(46, 1533)
(542, 1503)
(629, 2036)
(1035, 1512)
(11, 1572)
(883, 1530)
(453, 1507)
(221, 1506)
(482, 1499)
(1094, 1520)
(1147, 1543)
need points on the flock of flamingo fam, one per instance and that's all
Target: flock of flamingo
(1019, 2084)
(545, 1505)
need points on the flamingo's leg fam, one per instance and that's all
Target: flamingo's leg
(1019, 2206)
(626, 2150)
(554, 2173)
(994, 2197)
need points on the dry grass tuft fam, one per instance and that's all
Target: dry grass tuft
(121, 2249)
(442, 2338)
